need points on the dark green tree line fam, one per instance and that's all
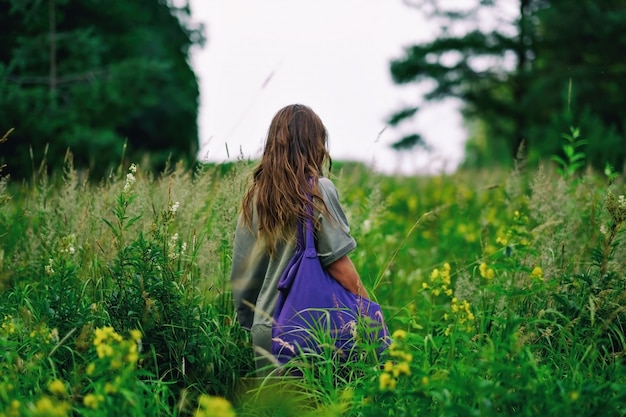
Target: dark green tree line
(525, 78)
(91, 76)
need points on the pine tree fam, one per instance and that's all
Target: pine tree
(90, 77)
(527, 76)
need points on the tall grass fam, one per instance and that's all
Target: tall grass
(504, 292)
(133, 253)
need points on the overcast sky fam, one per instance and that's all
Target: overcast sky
(330, 55)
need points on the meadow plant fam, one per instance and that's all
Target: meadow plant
(527, 309)
(573, 158)
(503, 292)
(210, 406)
(128, 253)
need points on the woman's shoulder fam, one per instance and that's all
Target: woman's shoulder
(328, 190)
(325, 183)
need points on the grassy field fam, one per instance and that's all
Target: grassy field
(504, 292)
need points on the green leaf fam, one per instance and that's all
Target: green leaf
(132, 221)
(113, 228)
(408, 142)
(401, 115)
(559, 160)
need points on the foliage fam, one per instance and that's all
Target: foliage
(85, 260)
(503, 291)
(525, 77)
(574, 158)
(108, 82)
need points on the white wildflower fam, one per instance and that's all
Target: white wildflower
(54, 335)
(352, 328)
(174, 207)
(616, 206)
(66, 244)
(48, 268)
(130, 180)
(284, 344)
(367, 226)
(174, 251)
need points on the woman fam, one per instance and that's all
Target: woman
(265, 240)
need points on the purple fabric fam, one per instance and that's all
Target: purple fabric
(310, 299)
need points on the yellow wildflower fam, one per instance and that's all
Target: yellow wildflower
(46, 407)
(110, 388)
(399, 334)
(214, 407)
(434, 275)
(385, 381)
(401, 368)
(104, 351)
(135, 335)
(388, 366)
(92, 401)
(13, 410)
(445, 274)
(485, 271)
(132, 356)
(490, 249)
(106, 334)
(57, 387)
(90, 368)
(8, 325)
(537, 273)
(396, 353)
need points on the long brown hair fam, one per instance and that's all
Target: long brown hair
(293, 159)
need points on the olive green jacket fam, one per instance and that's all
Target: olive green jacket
(255, 275)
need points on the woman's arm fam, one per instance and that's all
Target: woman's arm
(345, 273)
(247, 274)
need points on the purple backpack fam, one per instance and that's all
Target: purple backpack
(314, 310)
